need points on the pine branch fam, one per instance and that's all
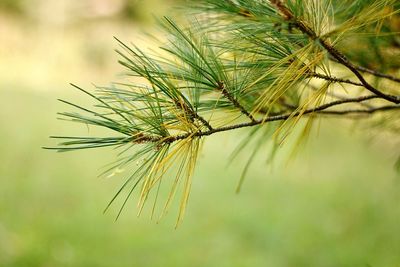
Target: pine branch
(241, 59)
(280, 117)
(341, 58)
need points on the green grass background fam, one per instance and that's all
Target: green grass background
(337, 204)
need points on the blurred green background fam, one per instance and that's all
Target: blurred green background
(337, 204)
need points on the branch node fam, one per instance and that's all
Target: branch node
(221, 87)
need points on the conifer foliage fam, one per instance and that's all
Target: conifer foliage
(267, 66)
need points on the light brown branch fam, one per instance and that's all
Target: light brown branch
(334, 79)
(279, 117)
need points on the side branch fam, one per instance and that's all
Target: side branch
(378, 74)
(360, 111)
(334, 79)
(373, 72)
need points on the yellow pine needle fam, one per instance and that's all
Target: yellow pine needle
(376, 12)
(188, 179)
(163, 163)
(287, 77)
(314, 100)
(145, 185)
(285, 84)
(319, 99)
(178, 176)
(155, 199)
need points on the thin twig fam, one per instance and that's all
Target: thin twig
(360, 111)
(378, 74)
(334, 79)
(373, 72)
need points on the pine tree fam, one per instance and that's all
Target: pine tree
(267, 66)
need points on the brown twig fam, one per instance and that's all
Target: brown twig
(378, 74)
(373, 72)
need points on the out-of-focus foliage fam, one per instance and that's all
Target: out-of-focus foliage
(12, 6)
(133, 10)
(143, 10)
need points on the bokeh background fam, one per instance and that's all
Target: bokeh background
(335, 204)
